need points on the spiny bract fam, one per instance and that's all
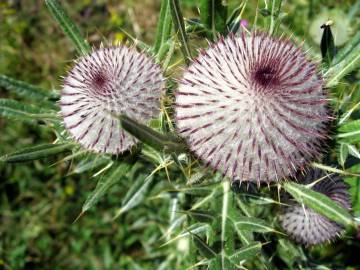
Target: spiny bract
(304, 224)
(253, 107)
(107, 82)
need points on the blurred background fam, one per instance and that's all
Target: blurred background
(39, 201)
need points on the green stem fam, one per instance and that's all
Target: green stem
(180, 29)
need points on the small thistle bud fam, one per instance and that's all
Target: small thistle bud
(253, 107)
(110, 81)
(305, 225)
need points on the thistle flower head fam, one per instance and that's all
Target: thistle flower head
(107, 82)
(304, 224)
(253, 107)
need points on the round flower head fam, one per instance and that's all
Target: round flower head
(107, 82)
(253, 107)
(304, 224)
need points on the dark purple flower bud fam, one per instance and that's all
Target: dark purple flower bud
(253, 107)
(304, 224)
(110, 81)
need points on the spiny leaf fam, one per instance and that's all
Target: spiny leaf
(86, 165)
(194, 229)
(332, 169)
(350, 131)
(343, 153)
(26, 90)
(179, 27)
(20, 111)
(204, 248)
(348, 48)
(221, 263)
(163, 31)
(68, 26)
(319, 202)
(253, 224)
(353, 151)
(197, 190)
(245, 253)
(135, 195)
(36, 152)
(202, 216)
(350, 126)
(348, 113)
(344, 67)
(104, 184)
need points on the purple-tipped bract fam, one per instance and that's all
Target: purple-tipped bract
(304, 224)
(253, 107)
(107, 82)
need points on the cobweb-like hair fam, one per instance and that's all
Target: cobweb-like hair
(107, 82)
(253, 107)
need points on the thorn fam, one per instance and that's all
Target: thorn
(78, 217)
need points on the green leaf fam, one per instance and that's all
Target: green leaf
(344, 67)
(68, 26)
(201, 216)
(87, 165)
(353, 151)
(194, 229)
(36, 152)
(245, 253)
(179, 27)
(350, 132)
(320, 203)
(223, 203)
(253, 224)
(163, 30)
(348, 113)
(348, 48)
(343, 153)
(104, 184)
(28, 91)
(213, 14)
(204, 248)
(289, 252)
(150, 136)
(136, 194)
(221, 263)
(332, 169)
(13, 109)
(354, 190)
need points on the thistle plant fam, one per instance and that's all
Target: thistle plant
(251, 106)
(107, 82)
(303, 223)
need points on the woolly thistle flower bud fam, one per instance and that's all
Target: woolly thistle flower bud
(253, 107)
(304, 224)
(107, 82)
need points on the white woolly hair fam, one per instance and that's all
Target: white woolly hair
(107, 82)
(253, 107)
(305, 225)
